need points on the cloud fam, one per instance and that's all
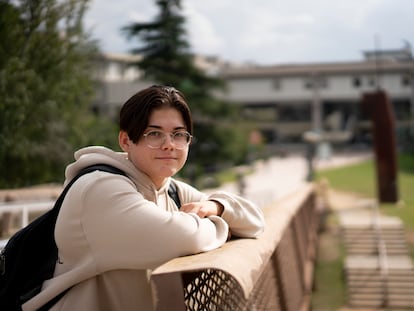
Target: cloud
(105, 20)
(201, 32)
(268, 31)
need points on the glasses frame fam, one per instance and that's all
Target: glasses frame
(164, 138)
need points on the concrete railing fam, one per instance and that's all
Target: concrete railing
(272, 272)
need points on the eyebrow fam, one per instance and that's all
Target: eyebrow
(160, 127)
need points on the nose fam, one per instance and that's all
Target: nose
(168, 142)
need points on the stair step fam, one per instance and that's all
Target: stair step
(362, 246)
(373, 236)
(387, 242)
(379, 303)
(391, 232)
(372, 262)
(368, 251)
(380, 287)
(350, 234)
(366, 303)
(391, 278)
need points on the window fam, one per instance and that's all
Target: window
(406, 80)
(322, 82)
(315, 81)
(294, 113)
(372, 81)
(356, 82)
(276, 84)
(308, 84)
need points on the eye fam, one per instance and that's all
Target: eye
(154, 134)
(180, 134)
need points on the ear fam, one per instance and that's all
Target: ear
(124, 141)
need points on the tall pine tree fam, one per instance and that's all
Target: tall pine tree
(166, 59)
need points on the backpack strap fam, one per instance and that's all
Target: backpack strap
(172, 189)
(86, 170)
(173, 193)
(58, 204)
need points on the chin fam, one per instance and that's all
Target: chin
(169, 172)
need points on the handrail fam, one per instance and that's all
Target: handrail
(382, 252)
(272, 272)
(25, 208)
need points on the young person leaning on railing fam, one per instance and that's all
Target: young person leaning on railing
(113, 229)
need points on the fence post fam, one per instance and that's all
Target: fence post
(168, 291)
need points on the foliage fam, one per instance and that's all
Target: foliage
(166, 59)
(45, 88)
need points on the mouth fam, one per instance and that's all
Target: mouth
(166, 158)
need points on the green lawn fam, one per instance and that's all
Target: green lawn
(361, 178)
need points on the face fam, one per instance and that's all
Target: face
(165, 161)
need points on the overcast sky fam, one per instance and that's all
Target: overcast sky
(269, 31)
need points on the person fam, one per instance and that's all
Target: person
(113, 230)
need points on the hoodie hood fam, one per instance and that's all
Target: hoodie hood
(101, 155)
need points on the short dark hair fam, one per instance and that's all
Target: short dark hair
(135, 113)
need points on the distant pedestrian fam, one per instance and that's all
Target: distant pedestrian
(241, 184)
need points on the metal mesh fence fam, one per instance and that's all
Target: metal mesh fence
(265, 294)
(216, 290)
(213, 290)
(281, 285)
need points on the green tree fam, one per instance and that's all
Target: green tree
(166, 59)
(45, 88)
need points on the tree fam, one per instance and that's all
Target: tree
(166, 59)
(45, 88)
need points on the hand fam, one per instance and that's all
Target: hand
(203, 209)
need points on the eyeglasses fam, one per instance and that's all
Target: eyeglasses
(156, 138)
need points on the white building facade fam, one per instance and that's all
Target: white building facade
(283, 101)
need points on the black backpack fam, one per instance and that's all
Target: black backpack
(30, 255)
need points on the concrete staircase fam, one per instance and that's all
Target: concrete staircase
(364, 240)
(374, 280)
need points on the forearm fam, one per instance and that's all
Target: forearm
(244, 218)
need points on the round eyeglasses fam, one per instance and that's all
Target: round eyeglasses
(156, 138)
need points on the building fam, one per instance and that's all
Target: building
(286, 100)
(117, 79)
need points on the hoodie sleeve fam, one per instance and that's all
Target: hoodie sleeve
(245, 219)
(105, 218)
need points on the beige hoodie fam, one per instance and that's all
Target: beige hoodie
(113, 230)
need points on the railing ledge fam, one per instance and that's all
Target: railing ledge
(244, 259)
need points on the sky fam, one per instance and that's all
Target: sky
(267, 32)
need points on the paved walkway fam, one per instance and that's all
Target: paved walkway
(279, 176)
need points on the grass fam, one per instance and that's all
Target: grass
(361, 179)
(330, 291)
(329, 287)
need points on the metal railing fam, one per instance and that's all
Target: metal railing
(382, 253)
(25, 209)
(272, 272)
